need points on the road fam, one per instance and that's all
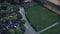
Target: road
(29, 28)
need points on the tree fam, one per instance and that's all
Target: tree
(19, 16)
(19, 31)
(1, 12)
(15, 2)
(22, 21)
(12, 31)
(6, 3)
(13, 18)
(16, 8)
(7, 18)
(18, 2)
(1, 20)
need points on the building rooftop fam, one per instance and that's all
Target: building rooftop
(57, 2)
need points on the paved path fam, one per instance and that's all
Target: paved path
(29, 28)
(48, 27)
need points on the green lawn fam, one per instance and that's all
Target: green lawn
(40, 17)
(54, 30)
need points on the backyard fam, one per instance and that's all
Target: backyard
(40, 17)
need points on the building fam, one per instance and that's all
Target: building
(53, 5)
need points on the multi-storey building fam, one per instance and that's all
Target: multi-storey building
(53, 5)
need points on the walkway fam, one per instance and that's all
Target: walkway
(29, 28)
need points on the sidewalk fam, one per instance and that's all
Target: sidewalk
(29, 28)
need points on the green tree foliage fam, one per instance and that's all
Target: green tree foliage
(1, 20)
(16, 7)
(22, 21)
(14, 18)
(6, 3)
(7, 18)
(18, 31)
(17, 1)
(12, 31)
(19, 16)
(2, 11)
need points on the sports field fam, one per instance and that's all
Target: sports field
(40, 17)
(54, 30)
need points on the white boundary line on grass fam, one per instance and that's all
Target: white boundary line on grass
(48, 27)
(30, 28)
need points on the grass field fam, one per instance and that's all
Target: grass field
(54, 30)
(40, 17)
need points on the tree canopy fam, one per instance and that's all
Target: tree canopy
(12, 31)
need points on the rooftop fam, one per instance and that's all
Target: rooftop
(57, 2)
